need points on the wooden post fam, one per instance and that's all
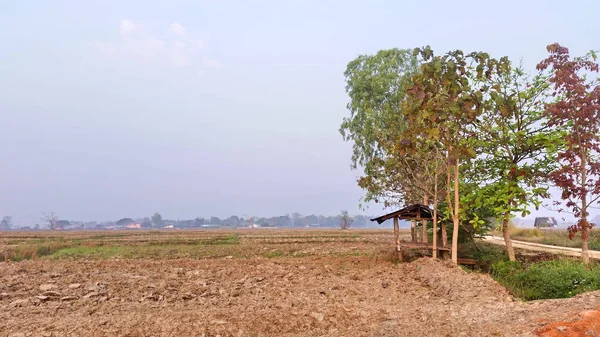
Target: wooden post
(424, 222)
(434, 252)
(396, 234)
(435, 215)
(444, 235)
(413, 231)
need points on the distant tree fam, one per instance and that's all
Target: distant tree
(310, 220)
(215, 220)
(281, 221)
(36, 227)
(345, 220)
(63, 223)
(295, 217)
(50, 218)
(232, 221)
(6, 223)
(578, 109)
(156, 220)
(124, 222)
(361, 221)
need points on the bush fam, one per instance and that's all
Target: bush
(547, 279)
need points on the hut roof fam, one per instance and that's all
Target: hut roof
(410, 212)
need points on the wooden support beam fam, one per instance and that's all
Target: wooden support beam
(434, 251)
(444, 235)
(396, 234)
(425, 222)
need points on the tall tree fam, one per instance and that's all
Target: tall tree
(375, 85)
(156, 220)
(345, 220)
(518, 148)
(578, 110)
(6, 223)
(444, 100)
(51, 219)
(124, 222)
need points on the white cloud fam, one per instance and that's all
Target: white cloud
(196, 44)
(127, 27)
(135, 43)
(178, 55)
(210, 62)
(177, 29)
(107, 49)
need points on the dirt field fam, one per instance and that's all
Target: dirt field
(255, 283)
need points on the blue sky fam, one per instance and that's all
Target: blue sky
(197, 108)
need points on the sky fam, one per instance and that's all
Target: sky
(114, 109)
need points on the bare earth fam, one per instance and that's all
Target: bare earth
(313, 295)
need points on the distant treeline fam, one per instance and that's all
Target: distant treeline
(156, 221)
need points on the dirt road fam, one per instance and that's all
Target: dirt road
(594, 254)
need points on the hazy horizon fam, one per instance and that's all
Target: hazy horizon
(116, 109)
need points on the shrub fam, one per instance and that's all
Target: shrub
(547, 279)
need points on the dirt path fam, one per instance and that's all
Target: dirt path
(594, 254)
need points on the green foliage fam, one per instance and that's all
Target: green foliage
(32, 251)
(375, 85)
(517, 146)
(548, 279)
(6, 223)
(157, 220)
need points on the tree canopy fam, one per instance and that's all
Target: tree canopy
(577, 109)
(477, 130)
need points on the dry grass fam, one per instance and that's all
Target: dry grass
(555, 237)
(192, 244)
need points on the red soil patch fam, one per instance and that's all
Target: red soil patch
(587, 323)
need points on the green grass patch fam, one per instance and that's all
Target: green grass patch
(32, 251)
(559, 278)
(274, 254)
(223, 240)
(99, 249)
(127, 252)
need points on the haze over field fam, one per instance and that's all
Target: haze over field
(196, 108)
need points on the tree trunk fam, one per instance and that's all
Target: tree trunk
(449, 201)
(444, 235)
(396, 234)
(455, 218)
(507, 241)
(585, 253)
(425, 222)
(435, 201)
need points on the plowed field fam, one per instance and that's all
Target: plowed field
(253, 283)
